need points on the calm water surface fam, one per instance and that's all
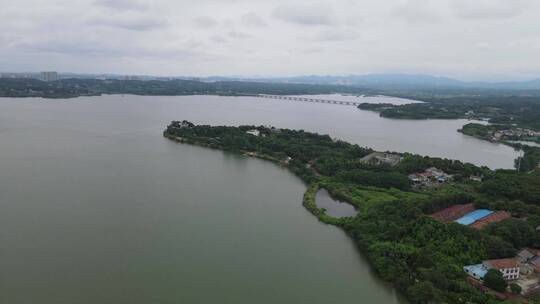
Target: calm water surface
(333, 207)
(97, 207)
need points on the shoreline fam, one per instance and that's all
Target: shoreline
(309, 196)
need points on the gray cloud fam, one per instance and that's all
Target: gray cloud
(122, 4)
(253, 20)
(335, 35)
(205, 22)
(418, 11)
(218, 39)
(489, 9)
(238, 35)
(78, 48)
(8, 40)
(94, 48)
(468, 39)
(133, 24)
(311, 14)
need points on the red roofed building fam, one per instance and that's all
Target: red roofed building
(452, 213)
(534, 251)
(492, 218)
(508, 267)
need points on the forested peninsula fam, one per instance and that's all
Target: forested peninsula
(398, 196)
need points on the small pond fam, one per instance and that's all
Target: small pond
(333, 207)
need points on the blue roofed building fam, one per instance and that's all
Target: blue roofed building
(474, 216)
(477, 271)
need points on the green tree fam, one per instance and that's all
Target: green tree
(498, 249)
(514, 231)
(494, 280)
(515, 288)
(423, 293)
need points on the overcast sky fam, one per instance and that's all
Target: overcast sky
(467, 39)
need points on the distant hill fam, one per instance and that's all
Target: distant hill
(414, 86)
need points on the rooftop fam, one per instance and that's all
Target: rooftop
(525, 254)
(492, 218)
(477, 271)
(535, 261)
(474, 216)
(502, 263)
(453, 212)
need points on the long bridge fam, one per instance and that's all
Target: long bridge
(308, 99)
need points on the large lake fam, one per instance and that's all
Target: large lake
(97, 207)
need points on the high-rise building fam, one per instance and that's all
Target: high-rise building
(49, 76)
(17, 75)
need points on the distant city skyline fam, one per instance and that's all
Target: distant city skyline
(349, 79)
(486, 40)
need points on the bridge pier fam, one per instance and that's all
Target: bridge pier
(306, 99)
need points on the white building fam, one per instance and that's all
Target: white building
(508, 267)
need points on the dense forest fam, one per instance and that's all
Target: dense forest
(422, 257)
